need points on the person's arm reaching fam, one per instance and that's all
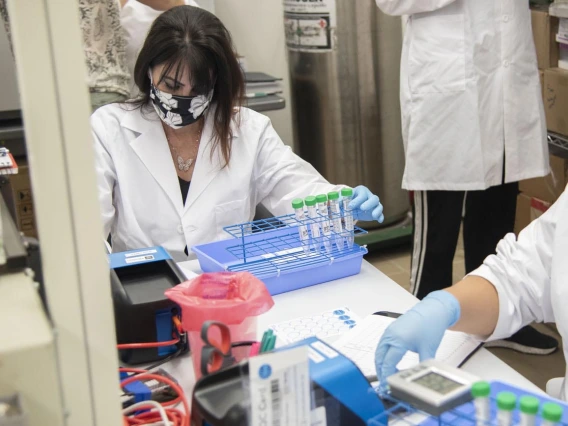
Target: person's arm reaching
(280, 176)
(410, 7)
(479, 306)
(510, 290)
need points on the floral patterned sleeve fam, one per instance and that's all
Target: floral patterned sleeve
(4, 13)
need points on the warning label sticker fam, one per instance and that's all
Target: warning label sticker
(310, 24)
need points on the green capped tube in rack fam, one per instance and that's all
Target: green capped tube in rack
(324, 221)
(529, 409)
(346, 197)
(480, 392)
(315, 241)
(506, 404)
(551, 414)
(298, 206)
(335, 216)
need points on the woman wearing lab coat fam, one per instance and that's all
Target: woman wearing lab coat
(524, 282)
(473, 127)
(185, 160)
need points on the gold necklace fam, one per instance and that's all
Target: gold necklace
(183, 165)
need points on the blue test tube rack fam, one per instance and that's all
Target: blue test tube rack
(271, 249)
(403, 414)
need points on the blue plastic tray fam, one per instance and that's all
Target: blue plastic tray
(278, 259)
(463, 415)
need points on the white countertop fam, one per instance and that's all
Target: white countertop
(368, 292)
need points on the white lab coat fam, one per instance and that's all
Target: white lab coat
(470, 94)
(136, 19)
(531, 275)
(139, 191)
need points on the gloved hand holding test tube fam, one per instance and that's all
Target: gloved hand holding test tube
(335, 216)
(346, 197)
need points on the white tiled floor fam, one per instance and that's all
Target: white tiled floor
(395, 263)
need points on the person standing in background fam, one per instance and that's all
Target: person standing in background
(473, 127)
(136, 18)
(104, 47)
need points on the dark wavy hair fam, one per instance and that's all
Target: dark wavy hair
(187, 37)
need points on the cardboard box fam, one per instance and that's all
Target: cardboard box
(556, 100)
(548, 188)
(528, 209)
(545, 28)
(21, 200)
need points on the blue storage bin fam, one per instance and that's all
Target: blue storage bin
(272, 251)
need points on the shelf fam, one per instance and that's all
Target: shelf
(266, 103)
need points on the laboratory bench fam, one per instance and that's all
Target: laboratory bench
(368, 292)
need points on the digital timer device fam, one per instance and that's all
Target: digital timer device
(432, 387)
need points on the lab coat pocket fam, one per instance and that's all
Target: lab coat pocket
(436, 59)
(231, 213)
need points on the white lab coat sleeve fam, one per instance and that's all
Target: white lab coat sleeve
(521, 274)
(280, 175)
(106, 174)
(409, 7)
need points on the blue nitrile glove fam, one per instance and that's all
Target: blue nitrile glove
(366, 205)
(420, 330)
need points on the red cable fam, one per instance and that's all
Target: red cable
(163, 379)
(147, 345)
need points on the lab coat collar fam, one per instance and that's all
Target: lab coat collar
(152, 149)
(151, 146)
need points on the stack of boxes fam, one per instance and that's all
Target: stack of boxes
(537, 195)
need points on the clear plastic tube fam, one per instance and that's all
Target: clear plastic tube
(506, 404)
(480, 392)
(325, 223)
(298, 205)
(347, 196)
(529, 408)
(335, 215)
(315, 242)
(482, 410)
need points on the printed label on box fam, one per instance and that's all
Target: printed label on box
(324, 349)
(315, 356)
(139, 259)
(310, 25)
(280, 388)
(140, 253)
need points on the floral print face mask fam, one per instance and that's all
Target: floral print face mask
(178, 111)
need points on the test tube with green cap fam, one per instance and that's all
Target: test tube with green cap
(506, 404)
(335, 215)
(480, 392)
(314, 225)
(347, 196)
(325, 224)
(298, 206)
(529, 409)
(551, 414)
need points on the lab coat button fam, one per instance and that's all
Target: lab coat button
(505, 18)
(180, 229)
(506, 64)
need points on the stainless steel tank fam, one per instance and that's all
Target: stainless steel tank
(345, 95)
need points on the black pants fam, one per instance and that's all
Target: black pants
(489, 216)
